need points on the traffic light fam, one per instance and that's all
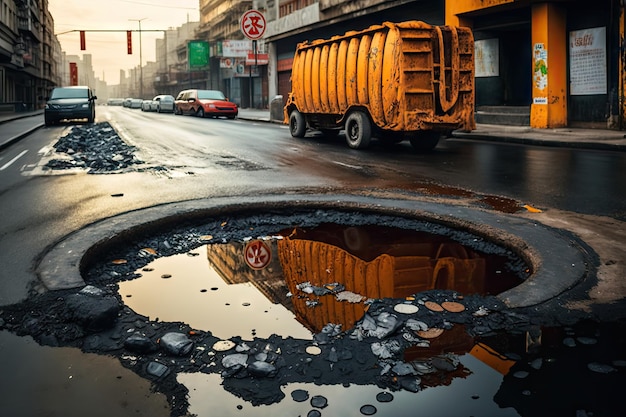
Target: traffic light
(129, 41)
(82, 40)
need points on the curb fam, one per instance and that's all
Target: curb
(558, 260)
(22, 135)
(583, 144)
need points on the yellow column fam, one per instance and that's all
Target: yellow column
(549, 66)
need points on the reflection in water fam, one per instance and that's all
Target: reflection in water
(380, 262)
(242, 303)
(230, 298)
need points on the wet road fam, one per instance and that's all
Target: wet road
(189, 158)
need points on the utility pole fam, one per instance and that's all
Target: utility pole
(140, 59)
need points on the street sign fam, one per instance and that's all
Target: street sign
(257, 254)
(257, 59)
(253, 24)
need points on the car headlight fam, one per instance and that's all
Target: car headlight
(84, 105)
(211, 106)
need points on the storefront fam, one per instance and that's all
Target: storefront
(561, 59)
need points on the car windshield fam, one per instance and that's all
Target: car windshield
(211, 95)
(69, 93)
(167, 98)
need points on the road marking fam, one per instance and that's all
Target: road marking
(347, 165)
(8, 164)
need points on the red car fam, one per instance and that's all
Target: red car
(204, 103)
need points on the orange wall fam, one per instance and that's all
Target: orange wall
(456, 7)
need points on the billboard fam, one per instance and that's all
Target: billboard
(198, 54)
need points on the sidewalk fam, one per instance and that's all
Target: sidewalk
(601, 139)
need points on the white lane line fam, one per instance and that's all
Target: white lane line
(8, 164)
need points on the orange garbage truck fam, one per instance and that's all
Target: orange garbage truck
(395, 81)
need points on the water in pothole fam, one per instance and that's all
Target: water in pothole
(299, 280)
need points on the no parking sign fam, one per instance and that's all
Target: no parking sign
(257, 254)
(253, 24)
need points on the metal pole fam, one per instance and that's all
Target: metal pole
(140, 59)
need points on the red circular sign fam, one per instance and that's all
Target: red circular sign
(258, 254)
(253, 24)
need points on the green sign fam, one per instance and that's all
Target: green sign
(198, 54)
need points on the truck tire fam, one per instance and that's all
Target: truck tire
(425, 141)
(297, 125)
(358, 130)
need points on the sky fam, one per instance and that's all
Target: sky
(108, 49)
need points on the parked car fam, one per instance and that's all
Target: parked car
(127, 102)
(205, 103)
(70, 103)
(135, 103)
(164, 103)
(115, 102)
(146, 105)
(159, 104)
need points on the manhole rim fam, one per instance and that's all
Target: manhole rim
(62, 265)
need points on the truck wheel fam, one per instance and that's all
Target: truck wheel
(358, 130)
(425, 141)
(297, 126)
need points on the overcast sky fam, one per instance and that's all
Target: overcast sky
(108, 49)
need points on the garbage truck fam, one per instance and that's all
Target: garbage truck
(394, 81)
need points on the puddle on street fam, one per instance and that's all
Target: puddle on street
(46, 381)
(473, 395)
(297, 281)
(310, 277)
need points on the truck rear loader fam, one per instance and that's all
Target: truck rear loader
(395, 81)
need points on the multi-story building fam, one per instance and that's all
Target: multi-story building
(30, 54)
(230, 69)
(172, 73)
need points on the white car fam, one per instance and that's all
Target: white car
(160, 104)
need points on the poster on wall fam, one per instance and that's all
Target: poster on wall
(587, 69)
(540, 73)
(486, 58)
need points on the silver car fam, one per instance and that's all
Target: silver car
(163, 103)
(160, 104)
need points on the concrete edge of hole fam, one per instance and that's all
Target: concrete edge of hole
(559, 262)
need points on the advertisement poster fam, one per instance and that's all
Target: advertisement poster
(540, 73)
(587, 52)
(486, 58)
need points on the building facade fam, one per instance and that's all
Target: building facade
(30, 54)
(561, 60)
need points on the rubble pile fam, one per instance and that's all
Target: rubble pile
(96, 147)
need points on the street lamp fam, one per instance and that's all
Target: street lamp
(140, 58)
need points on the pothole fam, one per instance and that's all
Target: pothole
(297, 280)
(346, 344)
